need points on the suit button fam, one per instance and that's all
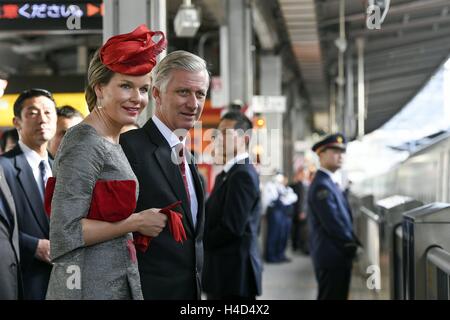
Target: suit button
(13, 265)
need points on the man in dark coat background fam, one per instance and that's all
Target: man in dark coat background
(27, 168)
(233, 265)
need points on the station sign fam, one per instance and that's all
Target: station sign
(49, 15)
(218, 93)
(269, 104)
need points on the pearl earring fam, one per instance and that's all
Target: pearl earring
(99, 104)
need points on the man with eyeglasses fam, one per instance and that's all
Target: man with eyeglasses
(27, 168)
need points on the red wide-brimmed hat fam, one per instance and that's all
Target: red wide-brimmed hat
(132, 53)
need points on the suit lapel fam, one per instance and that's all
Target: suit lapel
(341, 198)
(330, 181)
(31, 190)
(9, 205)
(171, 171)
(219, 182)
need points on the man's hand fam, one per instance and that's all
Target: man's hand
(43, 250)
(350, 249)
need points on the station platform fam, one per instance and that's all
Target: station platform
(295, 280)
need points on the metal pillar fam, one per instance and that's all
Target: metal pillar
(332, 117)
(270, 85)
(341, 43)
(361, 88)
(82, 59)
(349, 114)
(270, 77)
(123, 16)
(225, 63)
(236, 54)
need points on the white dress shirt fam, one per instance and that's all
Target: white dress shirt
(34, 159)
(334, 177)
(238, 159)
(173, 141)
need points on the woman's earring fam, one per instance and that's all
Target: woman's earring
(99, 104)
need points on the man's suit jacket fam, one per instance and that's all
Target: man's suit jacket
(168, 269)
(32, 220)
(330, 223)
(10, 288)
(233, 265)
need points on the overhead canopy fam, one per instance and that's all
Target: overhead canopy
(414, 40)
(400, 57)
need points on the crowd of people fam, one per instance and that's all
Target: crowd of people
(100, 208)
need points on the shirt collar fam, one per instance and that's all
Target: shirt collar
(235, 160)
(168, 134)
(330, 174)
(32, 156)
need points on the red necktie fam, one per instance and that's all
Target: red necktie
(183, 170)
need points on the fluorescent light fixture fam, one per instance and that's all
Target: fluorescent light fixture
(187, 20)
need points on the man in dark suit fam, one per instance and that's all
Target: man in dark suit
(27, 168)
(10, 281)
(68, 117)
(233, 265)
(299, 228)
(332, 241)
(167, 173)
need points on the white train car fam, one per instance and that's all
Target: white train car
(423, 176)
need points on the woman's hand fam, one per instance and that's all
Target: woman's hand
(148, 222)
(151, 222)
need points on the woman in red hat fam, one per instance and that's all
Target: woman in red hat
(95, 189)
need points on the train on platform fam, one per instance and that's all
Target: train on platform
(402, 218)
(424, 175)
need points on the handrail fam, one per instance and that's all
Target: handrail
(440, 258)
(370, 214)
(399, 232)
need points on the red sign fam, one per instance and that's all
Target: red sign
(9, 11)
(92, 9)
(44, 10)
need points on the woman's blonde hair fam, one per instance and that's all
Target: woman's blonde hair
(98, 74)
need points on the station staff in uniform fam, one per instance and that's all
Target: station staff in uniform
(332, 241)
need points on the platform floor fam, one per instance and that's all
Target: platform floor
(295, 280)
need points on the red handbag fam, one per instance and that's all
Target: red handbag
(112, 200)
(115, 200)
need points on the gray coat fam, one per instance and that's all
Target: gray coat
(9, 245)
(101, 271)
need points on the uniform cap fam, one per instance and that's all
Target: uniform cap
(132, 53)
(332, 141)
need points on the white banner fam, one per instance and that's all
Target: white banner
(269, 104)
